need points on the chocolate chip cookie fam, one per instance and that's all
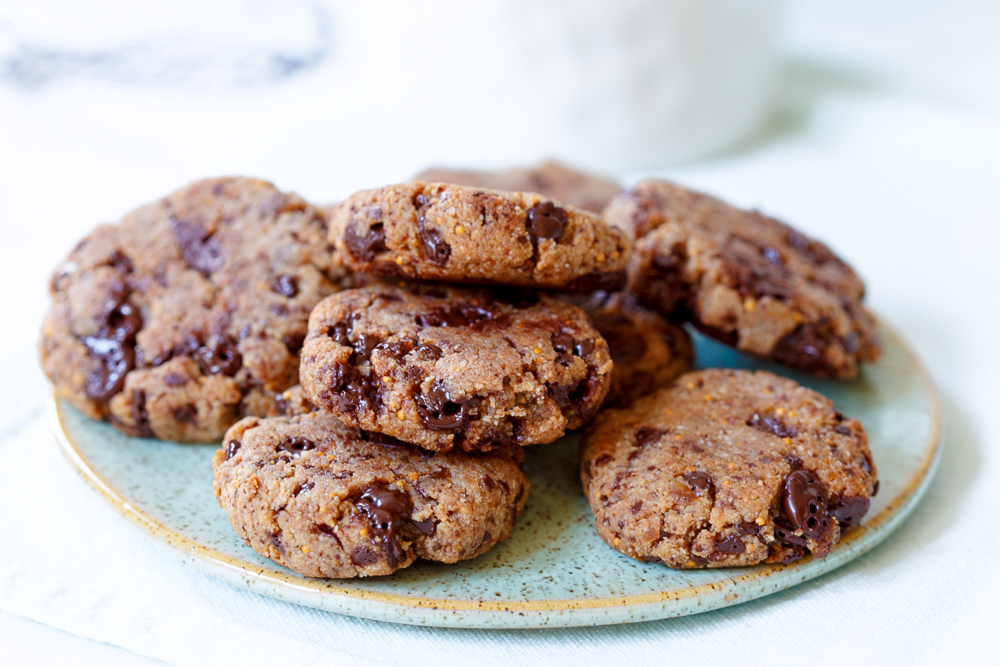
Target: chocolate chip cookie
(325, 500)
(551, 179)
(746, 279)
(648, 351)
(727, 467)
(190, 313)
(452, 233)
(444, 367)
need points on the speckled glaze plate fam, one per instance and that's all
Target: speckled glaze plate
(554, 570)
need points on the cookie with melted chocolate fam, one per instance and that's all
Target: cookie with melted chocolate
(746, 279)
(326, 500)
(648, 351)
(551, 179)
(726, 468)
(444, 367)
(190, 313)
(453, 233)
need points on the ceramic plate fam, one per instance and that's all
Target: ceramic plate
(554, 570)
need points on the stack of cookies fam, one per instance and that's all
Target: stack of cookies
(375, 368)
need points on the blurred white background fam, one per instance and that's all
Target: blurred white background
(873, 124)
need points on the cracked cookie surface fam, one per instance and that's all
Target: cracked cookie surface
(746, 279)
(648, 351)
(189, 313)
(326, 500)
(551, 179)
(726, 468)
(444, 367)
(452, 233)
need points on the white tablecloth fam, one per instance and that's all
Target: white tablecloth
(886, 145)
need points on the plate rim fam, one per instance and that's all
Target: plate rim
(212, 560)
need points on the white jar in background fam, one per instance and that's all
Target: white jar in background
(605, 84)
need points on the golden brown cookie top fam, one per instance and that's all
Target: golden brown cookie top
(452, 233)
(191, 311)
(727, 467)
(331, 501)
(442, 367)
(746, 279)
(551, 179)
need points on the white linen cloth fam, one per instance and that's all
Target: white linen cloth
(898, 171)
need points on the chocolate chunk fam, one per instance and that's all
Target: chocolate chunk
(771, 425)
(842, 430)
(175, 379)
(440, 411)
(546, 221)
(305, 487)
(805, 502)
(397, 349)
(199, 248)
(294, 342)
(219, 356)
(875, 489)
(185, 413)
(140, 416)
(354, 389)
(435, 249)
(365, 246)
(597, 281)
(286, 285)
(647, 435)
(784, 534)
(803, 349)
(386, 509)
(362, 556)
(748, 528)
(296, 445)
(428, 527)
(114, 347)
(456, 316)
(730, 544)
(601, 460)
(363, 346)
(699, 561)
(848, 511)
(698, 480)
(277, 544)
(121, 263)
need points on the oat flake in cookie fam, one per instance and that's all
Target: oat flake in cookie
(727, 467)
(452, 233)
(746, 279)
(444, 367)
(648, 351)
(329, 501)
(551, 179)
(191, 312)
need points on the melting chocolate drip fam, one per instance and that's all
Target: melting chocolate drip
(114, 347)
(440, 411)
(232, 448)
(354, 390)
(296, 445)
(848, 512)
(219, 356)
(364, 247)
(386, 510)
(805, 503)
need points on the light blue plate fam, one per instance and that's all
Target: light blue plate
(554, 570)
